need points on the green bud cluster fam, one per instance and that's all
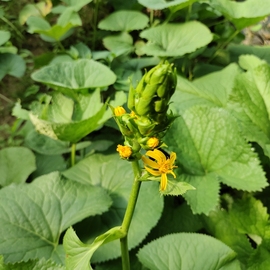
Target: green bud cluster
(152, 95)
(149, 102)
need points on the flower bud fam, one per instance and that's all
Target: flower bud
(154, 90)
(124, 151)
(153, 142)
(118, 111)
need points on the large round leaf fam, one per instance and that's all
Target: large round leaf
(176, 39)
(188, 251)
(124, 20)
(76, 75)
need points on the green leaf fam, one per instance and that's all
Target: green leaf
(249, 102)
(4, 36)
(249, 61)
(124, 20)
(175, 39)
(11, 64)
(188, 251)
(115, 175)
(205, 197)
(34, 215)
(176, 188)
(76, 75)
(83, 50)
(69, 16)
(27, 11)
(173, 214)
(242, 14)
(208, 144)
(47, 164)
(260, 260)
(46, 146)
(119, 44)
(162, 4)
(67, 20)
(204, 90)
(41, 264)
(219, 224)
(79, 254)
(67, 120)
(16, 164)
(249, 216)
(77, 4)
(236, 50)
(37, 24)
(131, 70)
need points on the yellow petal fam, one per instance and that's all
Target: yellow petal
(171, 172)
(157, 155)
(172, 158)
(163, 182)
(150, 162)
(153, 172)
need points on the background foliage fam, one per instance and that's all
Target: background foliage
(62, 63)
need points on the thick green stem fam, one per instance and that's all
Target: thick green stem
(73, 154)
(129, 214)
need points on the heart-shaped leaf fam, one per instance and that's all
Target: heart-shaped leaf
(175, 39)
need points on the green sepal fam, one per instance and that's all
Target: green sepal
(131, 98)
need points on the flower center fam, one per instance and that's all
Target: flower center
(164, 168)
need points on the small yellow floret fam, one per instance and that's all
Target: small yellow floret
(153, 142)
(118, 111)
(124, 151)
(157, 164)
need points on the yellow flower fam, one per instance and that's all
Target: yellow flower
(118, 111)
(124, 151)
(158, 165)
(153, 142)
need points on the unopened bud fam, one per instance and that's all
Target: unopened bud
(153, 142)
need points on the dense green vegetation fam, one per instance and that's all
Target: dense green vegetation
(152, 106)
